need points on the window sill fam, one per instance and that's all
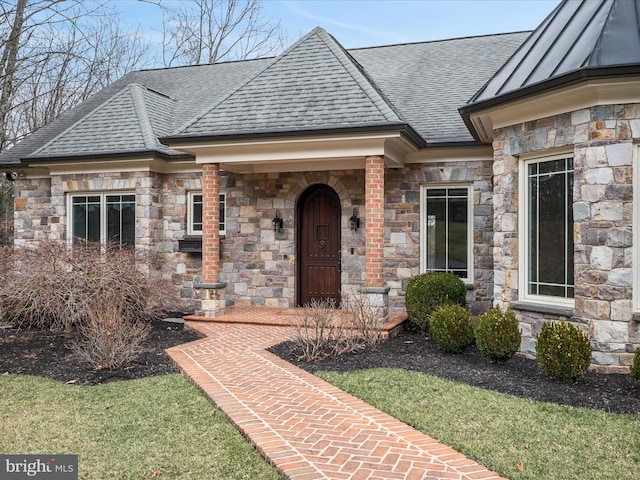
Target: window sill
(543, 308)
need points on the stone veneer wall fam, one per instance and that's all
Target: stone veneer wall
(602, 142)
(257, 263)
(41, 204)
(402, 226)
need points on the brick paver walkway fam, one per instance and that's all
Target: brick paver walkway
(305, 427)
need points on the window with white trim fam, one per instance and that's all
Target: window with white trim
(103, 217)
(446, 233)
(194, 213)
(547, 221)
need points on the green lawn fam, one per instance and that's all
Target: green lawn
(520, 439)
(126, 430)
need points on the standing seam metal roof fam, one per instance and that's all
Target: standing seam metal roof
(577, 35)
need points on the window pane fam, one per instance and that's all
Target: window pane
(222, 203)
(121, 219)
(447, 234)
(550, 224)
(196, 213)
(85, 214)
(458, 247)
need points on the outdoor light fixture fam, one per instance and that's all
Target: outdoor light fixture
(355, 220)
(277, 222)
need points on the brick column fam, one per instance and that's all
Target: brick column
(375, 290)
(212, 297)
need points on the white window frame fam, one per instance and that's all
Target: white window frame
(635, 254)
(223, 213)
(423, 224)
(523, 232)
(103, 212)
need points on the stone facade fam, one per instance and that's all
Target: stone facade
(600, 140)
(258, 264)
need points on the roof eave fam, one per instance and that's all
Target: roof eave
(177, 141)
(565, 80)
(104, 156)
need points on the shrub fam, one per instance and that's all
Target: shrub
(52, 286)
(428, 291)
(323, 331)
(563, 351)
(109, 338)
(635, 368)
(498, 336)
(451, 329)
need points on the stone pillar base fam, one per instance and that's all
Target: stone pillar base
(212, 301)
(377, 299)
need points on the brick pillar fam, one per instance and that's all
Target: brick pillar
(212, 297)
(375, 289)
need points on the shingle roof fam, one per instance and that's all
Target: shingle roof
(314, 85)
(577, 36)
(427, 82)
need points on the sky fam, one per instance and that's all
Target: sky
(365, 23)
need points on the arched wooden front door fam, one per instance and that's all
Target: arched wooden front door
(318, 245)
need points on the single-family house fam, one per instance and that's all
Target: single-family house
(506, 159)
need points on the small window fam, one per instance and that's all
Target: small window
(548, 229)
(105, 218)
(446, 233)
(194, 214)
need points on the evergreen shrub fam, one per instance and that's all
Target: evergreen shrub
(428, 291)
(451, 328)
(635, 368)
(498, 336)
(563, 351)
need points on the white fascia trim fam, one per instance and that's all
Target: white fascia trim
(392, 145)
(563, 100)
(451, 154)
(635, 254)
(120, 165)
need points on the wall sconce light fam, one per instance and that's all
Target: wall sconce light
(355, 220)
(278, 223)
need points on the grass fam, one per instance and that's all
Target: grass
(518, 438)
(126, 430)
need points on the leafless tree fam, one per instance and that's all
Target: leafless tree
(53, 55)
(208, 31)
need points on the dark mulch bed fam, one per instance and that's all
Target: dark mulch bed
(43, 353)
(520, 376)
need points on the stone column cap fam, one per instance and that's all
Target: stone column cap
(383, 290)
(211, 286)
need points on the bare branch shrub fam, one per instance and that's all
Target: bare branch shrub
(54, 286)
(109, 337)
(323, 331)
(314, 329)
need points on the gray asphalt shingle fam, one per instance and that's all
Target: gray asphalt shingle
(315, 84)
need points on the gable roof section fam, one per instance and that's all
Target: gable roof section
(579, 39)
(134, 116)
(314, 85)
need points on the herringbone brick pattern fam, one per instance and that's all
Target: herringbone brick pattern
(305, 427)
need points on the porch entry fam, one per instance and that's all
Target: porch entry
(318, 242)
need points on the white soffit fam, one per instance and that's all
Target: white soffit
(563, 100)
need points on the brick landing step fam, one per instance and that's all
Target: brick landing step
(283, 317)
